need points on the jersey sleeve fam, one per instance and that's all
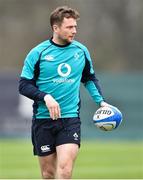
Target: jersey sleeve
(29, 64)
(29, 75)
(90, 80)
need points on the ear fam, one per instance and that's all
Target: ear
(55, 27)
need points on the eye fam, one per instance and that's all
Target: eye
(71, 27)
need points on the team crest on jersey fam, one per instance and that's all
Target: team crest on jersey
(76, 56)
(49, 58)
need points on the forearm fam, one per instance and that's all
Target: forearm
(94, 92)
(28, 89)
(92, 85)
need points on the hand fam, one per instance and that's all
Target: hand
(104, 104)
(53, 107)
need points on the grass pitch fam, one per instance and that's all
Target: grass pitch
(96, 160)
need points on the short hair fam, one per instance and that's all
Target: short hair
(62, 12)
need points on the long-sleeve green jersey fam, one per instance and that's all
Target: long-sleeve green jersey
(58, 70)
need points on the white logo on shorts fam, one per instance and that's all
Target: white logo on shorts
(45, 148)
(75, 135)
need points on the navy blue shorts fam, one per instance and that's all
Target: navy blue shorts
(48, 133)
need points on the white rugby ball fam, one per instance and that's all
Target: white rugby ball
(107, 118)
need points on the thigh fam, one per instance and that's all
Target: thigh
(66, 154)
(48, 163)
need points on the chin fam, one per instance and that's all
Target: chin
(70, 40)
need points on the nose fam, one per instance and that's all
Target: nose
(74, 30)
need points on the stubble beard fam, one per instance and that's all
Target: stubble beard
(65, 41)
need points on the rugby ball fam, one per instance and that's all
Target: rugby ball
(107, 118)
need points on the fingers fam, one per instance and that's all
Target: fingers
(51, 111)
(103, 103)
(55, 112)
(53, 107)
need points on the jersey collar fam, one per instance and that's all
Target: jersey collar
(58, 45)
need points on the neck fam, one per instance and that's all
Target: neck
(59, 41)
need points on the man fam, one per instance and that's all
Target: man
(51, 76)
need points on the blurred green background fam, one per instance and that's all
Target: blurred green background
(112, 31)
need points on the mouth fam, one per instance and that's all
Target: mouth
(71, 37)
